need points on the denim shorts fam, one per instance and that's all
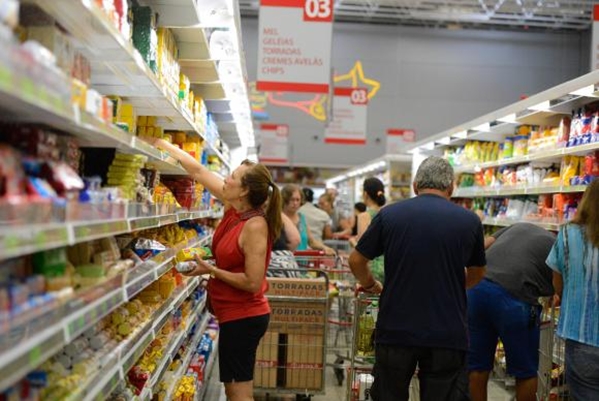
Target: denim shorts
(582, 371)
(495, 314)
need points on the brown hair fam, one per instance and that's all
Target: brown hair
(588, 213)
(258, 181)
(288, 191)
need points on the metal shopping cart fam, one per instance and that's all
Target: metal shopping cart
(291, 356)
(342, 284)
(360, 377)
(551, 375)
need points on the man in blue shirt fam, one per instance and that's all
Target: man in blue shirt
(427, 242)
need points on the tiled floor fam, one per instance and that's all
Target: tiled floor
(334, 392)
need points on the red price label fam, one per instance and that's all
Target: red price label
(318, 10)
(359, 96)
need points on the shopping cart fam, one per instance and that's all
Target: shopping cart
(551, 375)
(291, 357)
(360, 377)
(342, 284)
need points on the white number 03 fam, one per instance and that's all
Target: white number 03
(318, 8)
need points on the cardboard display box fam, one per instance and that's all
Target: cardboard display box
(304, 361)
(298, 317)
(267, 357)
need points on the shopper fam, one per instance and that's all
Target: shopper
(241, 247)
(575, 261)
(374, 197)
(359, 207)
(505, 306)
(292, 198)
(319, 222)
(426, 241)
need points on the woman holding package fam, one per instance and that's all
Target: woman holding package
(575, 261)
(241, 246)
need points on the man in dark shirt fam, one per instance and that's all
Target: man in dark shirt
(505, 305)
(427, 241)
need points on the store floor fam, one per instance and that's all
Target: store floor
(333, 392)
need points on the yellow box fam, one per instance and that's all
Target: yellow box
(127, 110)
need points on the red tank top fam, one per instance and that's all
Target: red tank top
(230, 303)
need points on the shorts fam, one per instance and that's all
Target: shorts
(238, 341)
(495, 314)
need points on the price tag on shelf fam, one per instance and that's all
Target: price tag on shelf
(294, 48)
(35, 356)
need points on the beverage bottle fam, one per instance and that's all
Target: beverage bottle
(366, 328)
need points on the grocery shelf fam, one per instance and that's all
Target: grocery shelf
(208, 371)
(511, 190)
(502, 222)
(172, 348)
(186, 360)
(552, 154)
(23, 240)
(37, 104)
(73, 319)
(129, 351)
(118, 68)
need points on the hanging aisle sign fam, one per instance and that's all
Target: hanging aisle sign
(273, 144)
(398, 138)
(294, 51)
(348, 125)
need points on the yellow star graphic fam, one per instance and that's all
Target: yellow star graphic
(357, 78)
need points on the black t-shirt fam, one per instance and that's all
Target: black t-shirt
(427, 242)
(516, 261)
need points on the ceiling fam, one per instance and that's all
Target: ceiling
(457, 14)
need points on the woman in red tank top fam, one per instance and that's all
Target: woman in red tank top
(242, 245)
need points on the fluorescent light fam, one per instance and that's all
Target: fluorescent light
(486, 127)
(541, 106)
(461, 135)
(586, 91)
(510, 118)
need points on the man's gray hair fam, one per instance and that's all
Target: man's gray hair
(434, 173)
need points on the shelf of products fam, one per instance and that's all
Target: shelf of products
(21, 240)
(39, 334)
(538, 154)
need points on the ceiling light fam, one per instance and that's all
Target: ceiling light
(586, 91)
(510, 118)
(541, 106)
(486, 127)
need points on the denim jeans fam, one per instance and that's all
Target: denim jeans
(582, 371)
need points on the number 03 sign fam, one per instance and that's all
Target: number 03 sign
(348, 125)
(294, 52)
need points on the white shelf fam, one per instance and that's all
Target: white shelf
(186, 360)
(487, 192)
(130, 350)
(51, 338)
(553, 154)
(118, 68)
(22, 240)
(492, 221)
